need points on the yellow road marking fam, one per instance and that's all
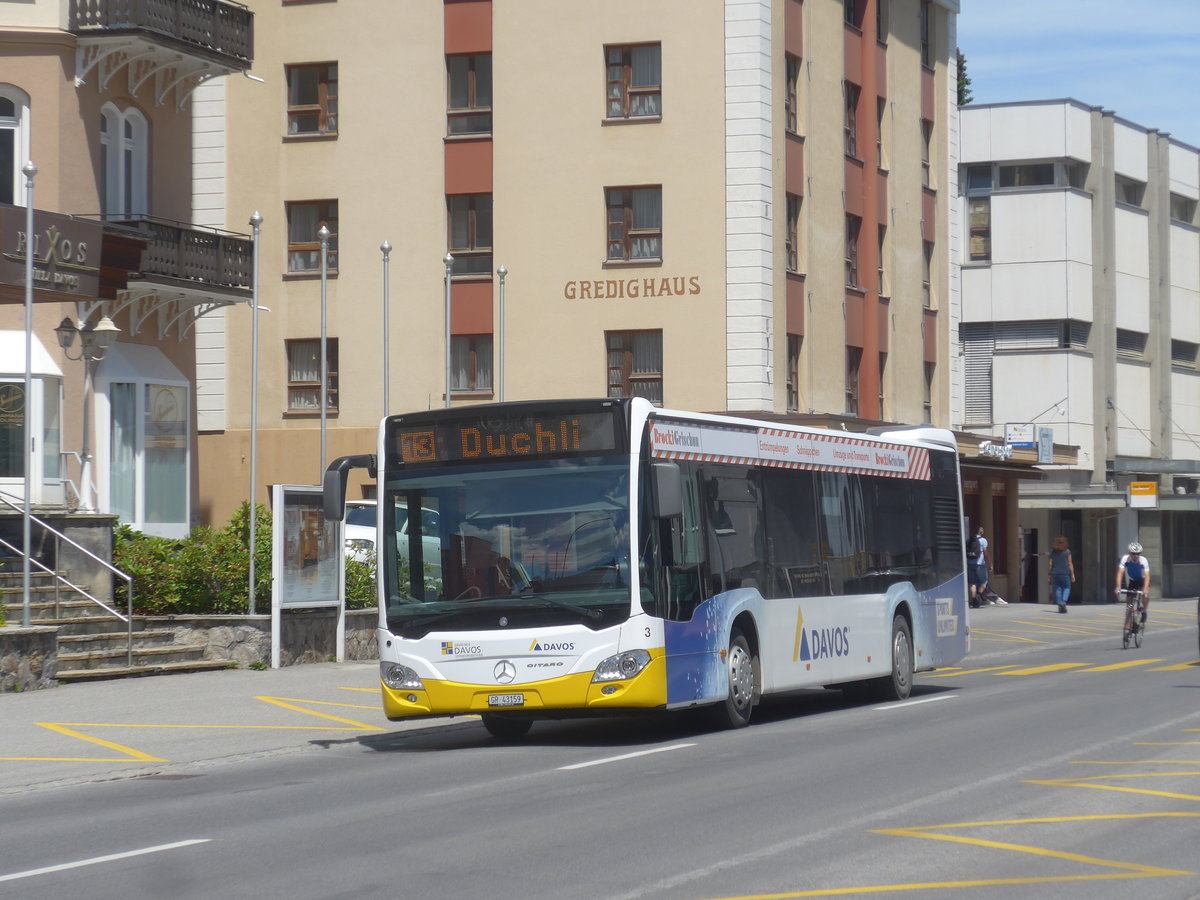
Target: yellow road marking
(1125, 870)
(952, 673)
(289, 703)
(1083, 783)
(134, 755)
(1038, 670)
(1129, 664)
(1002, 638)
(1178, 667)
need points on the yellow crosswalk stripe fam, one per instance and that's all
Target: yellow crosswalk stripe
(1128, 664)
(1178, 667)
(1039, 670)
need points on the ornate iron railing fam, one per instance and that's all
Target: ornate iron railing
(208, 27)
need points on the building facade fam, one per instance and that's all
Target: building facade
(100, 97)
(1080, 286)
(736, 205)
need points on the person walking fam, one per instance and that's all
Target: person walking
(1134, 570)
(1060, 574)
(977, 568)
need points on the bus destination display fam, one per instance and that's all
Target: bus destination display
(480, 437)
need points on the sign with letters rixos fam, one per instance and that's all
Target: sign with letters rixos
(66, 252)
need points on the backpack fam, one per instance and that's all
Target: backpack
(973, 547)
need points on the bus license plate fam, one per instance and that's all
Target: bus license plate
(506, 699)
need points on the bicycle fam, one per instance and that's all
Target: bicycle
(1134, 609)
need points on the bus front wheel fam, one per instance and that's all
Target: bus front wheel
(506, 728)
(898, 685)
(734, 711)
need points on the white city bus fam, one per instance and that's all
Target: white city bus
(605, 556)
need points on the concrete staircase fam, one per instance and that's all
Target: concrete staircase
(92, 644)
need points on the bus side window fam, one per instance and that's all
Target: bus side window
(793, 550)
(732, 510)
(687, 553)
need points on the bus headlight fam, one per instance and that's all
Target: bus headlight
(623, 665)
(400, 678)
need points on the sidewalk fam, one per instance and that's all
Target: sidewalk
(168, 724)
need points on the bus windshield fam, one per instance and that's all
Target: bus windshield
(534, 543)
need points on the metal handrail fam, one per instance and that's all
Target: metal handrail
(76, 588)
(128, 620)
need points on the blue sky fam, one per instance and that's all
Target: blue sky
(1138, 58)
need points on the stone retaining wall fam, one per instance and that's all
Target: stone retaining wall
(28, 657)
(307, 636)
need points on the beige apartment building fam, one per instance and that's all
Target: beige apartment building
(721, 205)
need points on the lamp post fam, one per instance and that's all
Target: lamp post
(449, 262)
(386, 249)
(323, 234)
(94, 341)
(256, 221)
(28, 170)
(503, 273)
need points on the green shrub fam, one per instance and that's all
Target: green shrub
(208, 572)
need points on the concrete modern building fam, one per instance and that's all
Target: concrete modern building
(1080, 290)
(733, 205)
(101, 96)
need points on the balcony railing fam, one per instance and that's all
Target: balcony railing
(212, 29)
(205, 256)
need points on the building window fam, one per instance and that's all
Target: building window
(926, 50)
(1183, 353)
(791, 106)
(853, 226)
(635, 364)
(852, 13)
(312, 99)
(882, 396)
(980, 217)
(1131, 344)
(853, 364)
(470, 233)
(850, 93)
(793, 372)
(927, 274)
(1183, 209)
(792, 240)
(880, 118)
(1026, 175)
(926, 147)
(14, 144)
(304, 375)
(124, 151)
(634, 81)
(1130, 191)
(634, 223)
(880, 273)
(304, 243)
(469, 94)
(979, 178)
(881, 21)
(471, 362)
(930, 369)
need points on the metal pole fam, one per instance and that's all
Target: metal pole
(323, 234)
(503, 273)
(256, 223)
(449, 261)
(386, 249)
(29, 170)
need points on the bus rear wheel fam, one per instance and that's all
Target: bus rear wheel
(734, 711)
(898, 685)
(506, 728)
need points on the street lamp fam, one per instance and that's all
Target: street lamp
(256, 221)
(94, 341)
(323, 235)
(386, 249)
(503, 273)
(449, 262)
(28, 170)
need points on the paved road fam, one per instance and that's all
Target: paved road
(1050, 763)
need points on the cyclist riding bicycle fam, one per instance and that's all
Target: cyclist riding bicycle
(1134, 571)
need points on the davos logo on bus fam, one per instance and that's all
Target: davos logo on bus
(452, 648)
(824, 643)
(551, 646)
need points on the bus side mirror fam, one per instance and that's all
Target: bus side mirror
(333, 485)
(668, 495)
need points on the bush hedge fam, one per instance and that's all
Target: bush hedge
(208, 572)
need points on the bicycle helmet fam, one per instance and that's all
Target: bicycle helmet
(1135, 547)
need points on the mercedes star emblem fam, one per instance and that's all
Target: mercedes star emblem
(505, 672)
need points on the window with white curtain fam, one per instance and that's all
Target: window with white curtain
(471, 362)
(634, 223)
(304, 375)
(124, 155)
(635, 364)
(634, 74)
